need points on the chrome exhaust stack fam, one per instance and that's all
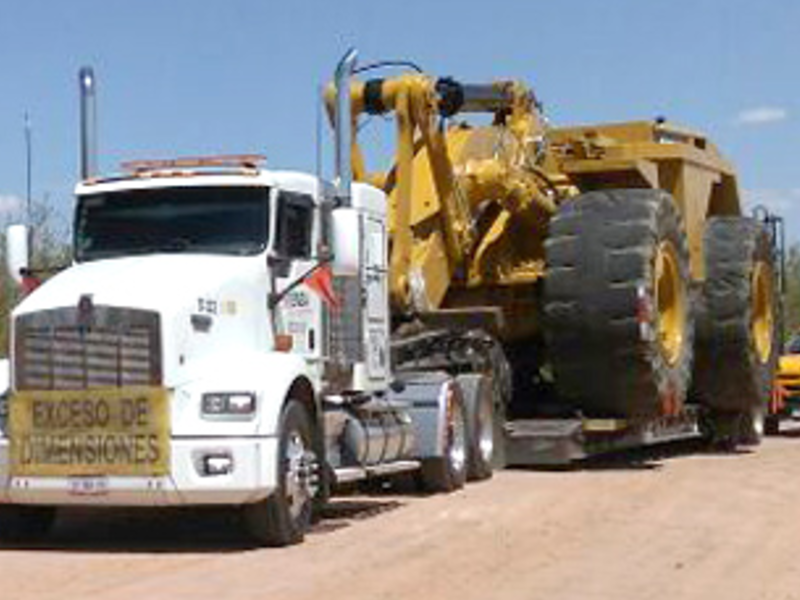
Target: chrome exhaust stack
(343, 126)
(87, 83)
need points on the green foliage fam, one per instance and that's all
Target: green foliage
(791, 296)
(51, 251)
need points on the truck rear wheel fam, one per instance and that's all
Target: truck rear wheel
(618, 322)
(20, 523)
(478, 393)
(448, 472)
(284, 517)
(737, 345)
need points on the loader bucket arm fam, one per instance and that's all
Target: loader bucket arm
(419, 104)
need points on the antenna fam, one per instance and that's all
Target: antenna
(318, 116)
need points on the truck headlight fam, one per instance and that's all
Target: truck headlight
(234, 405)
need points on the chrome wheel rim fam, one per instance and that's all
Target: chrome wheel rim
(300, 485)
(486, 432)
(759, 422)
(456, 433)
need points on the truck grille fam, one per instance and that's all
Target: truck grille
(118, 347)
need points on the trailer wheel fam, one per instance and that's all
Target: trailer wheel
(737, 346)
(722, 430)
(618, 321)
(284, 517)
(478, 394)
(772, 425)
(448, 472)
(21, 523)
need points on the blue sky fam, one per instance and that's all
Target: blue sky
(193, 77)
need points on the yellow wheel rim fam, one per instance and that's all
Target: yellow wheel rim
(763, 317)
(670, 302)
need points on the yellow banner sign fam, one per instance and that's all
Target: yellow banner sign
(104, 431)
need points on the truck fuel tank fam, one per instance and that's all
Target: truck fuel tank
(368, 431)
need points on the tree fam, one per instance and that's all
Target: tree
(791, 296)
(50, 252)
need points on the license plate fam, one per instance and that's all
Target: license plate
(90, 433)
(88, 486)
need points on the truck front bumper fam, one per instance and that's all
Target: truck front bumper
(203, 471)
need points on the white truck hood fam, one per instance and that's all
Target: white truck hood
(164, 282)
(231, 290)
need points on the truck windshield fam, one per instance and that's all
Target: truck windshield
(219, 220)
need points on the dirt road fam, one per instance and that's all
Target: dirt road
(676, 526)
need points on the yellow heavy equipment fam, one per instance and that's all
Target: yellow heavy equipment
(602, 274)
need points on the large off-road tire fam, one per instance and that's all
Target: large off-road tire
(448, 472)
(21, 523)
(737, 328)
(479, 392)
(618, 320)
(284, 517)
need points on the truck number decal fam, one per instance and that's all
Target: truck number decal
(207, 306)
(297, 300)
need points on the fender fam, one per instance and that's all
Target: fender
(269, 375)
(425, 393)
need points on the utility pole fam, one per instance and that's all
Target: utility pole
(29, 167)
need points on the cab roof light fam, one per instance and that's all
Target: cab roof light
(247, 162)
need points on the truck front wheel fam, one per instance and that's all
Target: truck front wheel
(284, 517)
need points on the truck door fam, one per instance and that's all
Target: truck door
(299, 312)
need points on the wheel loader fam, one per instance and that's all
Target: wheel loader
(602, 278)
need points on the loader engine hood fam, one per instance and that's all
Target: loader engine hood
(198, 301)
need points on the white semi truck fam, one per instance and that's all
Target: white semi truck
(222, 338)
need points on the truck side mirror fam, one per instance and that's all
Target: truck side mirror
(345, 241)
(17, 251)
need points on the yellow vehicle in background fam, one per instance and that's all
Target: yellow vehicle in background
(786, 401)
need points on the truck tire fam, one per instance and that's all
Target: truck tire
(21, 523)
(502, 389)
(284, 517)
(737, 344)
(478, 392)
(618, 321)
(752, 427)
(448, 472)
(772, 425)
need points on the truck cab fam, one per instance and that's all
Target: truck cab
(222, 337)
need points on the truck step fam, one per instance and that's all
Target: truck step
(351, 474)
